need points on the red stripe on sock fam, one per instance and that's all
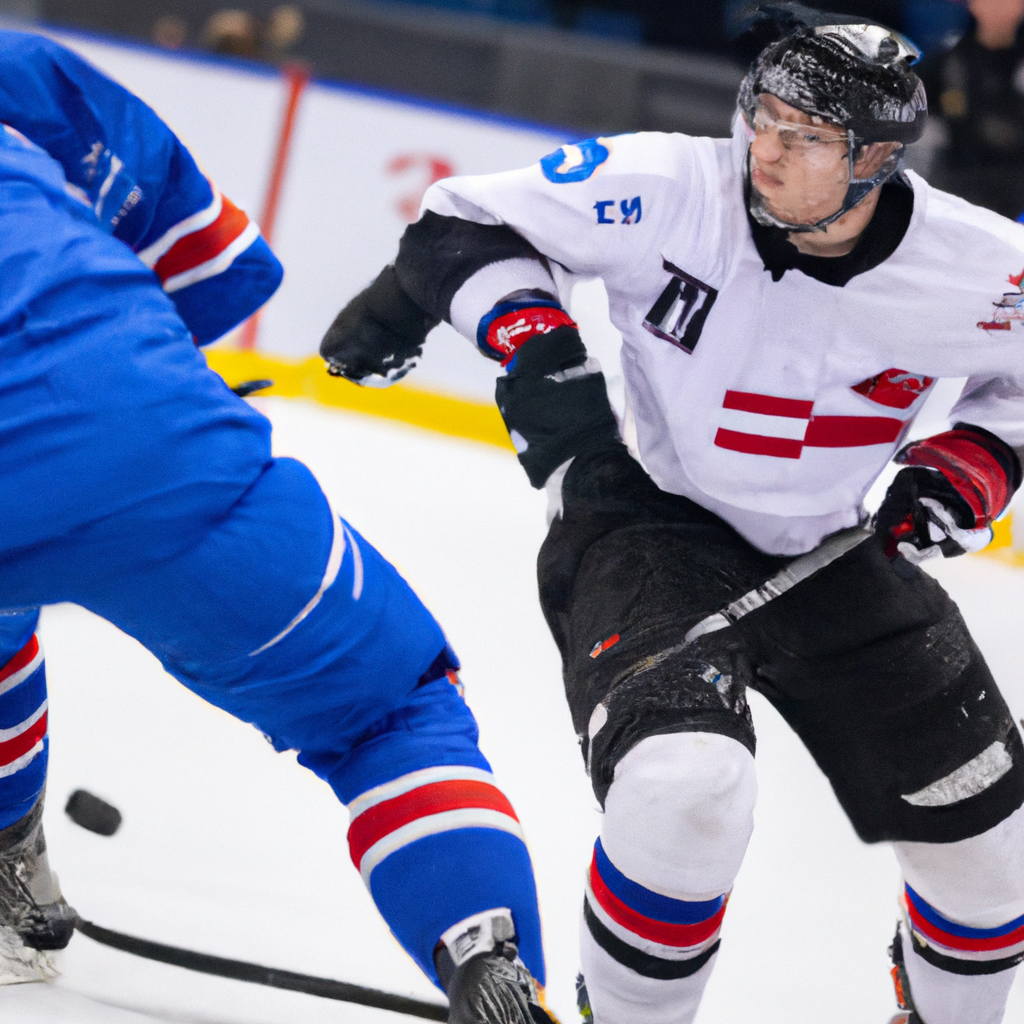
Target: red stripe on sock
(21, 659)
(454, 794)
(962, 942)
(679, 935)
(203, 245)
(22, 744)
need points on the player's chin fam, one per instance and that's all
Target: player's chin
(797, 214)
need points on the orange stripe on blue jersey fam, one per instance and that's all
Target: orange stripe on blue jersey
(196, 248)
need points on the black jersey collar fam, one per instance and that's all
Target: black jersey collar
(879, 241)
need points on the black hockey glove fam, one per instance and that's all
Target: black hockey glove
(376, 339)
(554, 403)
(944, 503)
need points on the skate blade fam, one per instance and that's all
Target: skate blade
(19, 964)
(900, 1018)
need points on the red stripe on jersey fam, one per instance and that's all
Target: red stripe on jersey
(851, 431)
(21, 659)
(768, 405)
(22, 744)
(204, 244)
(679, 935)
(758, 444)
(436, 797)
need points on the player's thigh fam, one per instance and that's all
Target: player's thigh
(628, 673)
(874, 667)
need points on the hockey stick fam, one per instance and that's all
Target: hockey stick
(796, 572)
(259, 975)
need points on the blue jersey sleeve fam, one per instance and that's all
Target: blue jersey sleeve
(141, 182)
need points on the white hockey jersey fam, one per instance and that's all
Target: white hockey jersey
(773, 404)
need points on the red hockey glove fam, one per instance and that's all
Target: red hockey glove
(944, 503)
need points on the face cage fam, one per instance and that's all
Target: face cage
(856, 191)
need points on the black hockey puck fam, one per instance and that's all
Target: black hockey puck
(92, 813)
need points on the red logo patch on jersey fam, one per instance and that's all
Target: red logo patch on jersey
(1008, 309)
(894, 388)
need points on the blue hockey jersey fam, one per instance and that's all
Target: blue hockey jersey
(141, 182)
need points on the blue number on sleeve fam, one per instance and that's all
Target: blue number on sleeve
(575, 162)
(628, 208)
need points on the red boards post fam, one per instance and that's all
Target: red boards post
(296, 78)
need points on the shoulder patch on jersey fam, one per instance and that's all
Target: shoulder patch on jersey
(575, 162)
(1009, 309)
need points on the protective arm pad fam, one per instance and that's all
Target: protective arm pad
(982, 470)
(379, 334)
(437, 255)
(553, 405)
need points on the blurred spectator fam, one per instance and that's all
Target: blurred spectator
(233, 32)
(241, 34)
(284, 28)
(170, 31)
(977, 88)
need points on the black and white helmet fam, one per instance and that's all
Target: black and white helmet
(855, 75)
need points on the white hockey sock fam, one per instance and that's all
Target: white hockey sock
(963, 925)
(677, 821)
(941, 997)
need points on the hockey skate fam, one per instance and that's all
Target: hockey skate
(34, 917)
(901, 983)
(479, 966)
(583, 1001)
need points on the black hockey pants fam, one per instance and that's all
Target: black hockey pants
(868, 660)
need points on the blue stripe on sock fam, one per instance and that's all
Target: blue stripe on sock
(930, 914)
(19, 703)
(653, 904)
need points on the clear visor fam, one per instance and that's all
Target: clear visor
(878, 44)
(808, 139)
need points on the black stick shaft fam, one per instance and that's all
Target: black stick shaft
(259, 975)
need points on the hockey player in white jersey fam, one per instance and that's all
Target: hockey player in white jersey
(786, 298)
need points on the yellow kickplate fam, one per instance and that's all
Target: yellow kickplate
(307, 378)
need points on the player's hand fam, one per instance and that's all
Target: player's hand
(377, 338)
(554, 403)
(944, 503)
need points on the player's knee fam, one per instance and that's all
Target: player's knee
(679, 813)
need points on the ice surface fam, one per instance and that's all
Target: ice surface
(232, 849)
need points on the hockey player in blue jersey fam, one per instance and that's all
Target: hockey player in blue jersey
(134, 483)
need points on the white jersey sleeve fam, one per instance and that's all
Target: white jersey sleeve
(592, 207)
(995, 403)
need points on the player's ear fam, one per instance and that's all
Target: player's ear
(871, 158)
